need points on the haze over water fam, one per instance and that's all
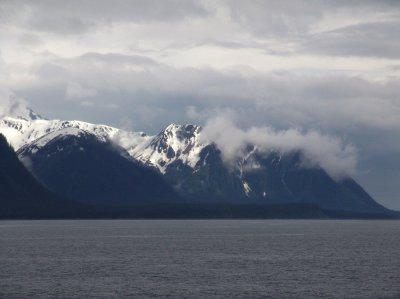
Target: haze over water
(204, 258)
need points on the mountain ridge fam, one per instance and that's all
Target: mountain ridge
(195, 167)
(78, 165)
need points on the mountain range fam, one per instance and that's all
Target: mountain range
(98, 164)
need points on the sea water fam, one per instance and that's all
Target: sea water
(199, 259)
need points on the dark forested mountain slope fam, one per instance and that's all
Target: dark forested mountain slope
(21, 195)
(77, 165)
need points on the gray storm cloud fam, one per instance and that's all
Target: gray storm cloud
(330, 153)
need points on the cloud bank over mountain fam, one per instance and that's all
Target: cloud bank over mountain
(327, 152)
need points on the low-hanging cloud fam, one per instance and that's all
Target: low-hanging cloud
(9, 103)
(328, 152)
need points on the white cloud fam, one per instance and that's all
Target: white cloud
(5, 97)
(10, 104)
(324, 151)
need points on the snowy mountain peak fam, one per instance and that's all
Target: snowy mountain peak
(20, 131)
(175, 144)
(187, 128)
(174, 135)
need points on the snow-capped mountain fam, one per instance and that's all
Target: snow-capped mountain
(175, 143)
(192, 166)
(21, 131)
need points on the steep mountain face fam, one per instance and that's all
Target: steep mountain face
(77, 164)
(273, 177)
(175, 144)
(21, 195)
(59, 152)
(197, 172)
(194, 168)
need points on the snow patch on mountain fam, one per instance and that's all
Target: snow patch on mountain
(42, 141)
(20, 131)
(20, 125)
(246, 188)
(175, 142)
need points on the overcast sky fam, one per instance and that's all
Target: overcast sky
(327, 66)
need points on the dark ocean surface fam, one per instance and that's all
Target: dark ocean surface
(200, 259)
